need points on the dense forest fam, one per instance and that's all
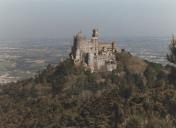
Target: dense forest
(138, 94)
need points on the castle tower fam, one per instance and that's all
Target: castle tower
(95, 33)
(78, 39)
(95, 36)
(113, 46)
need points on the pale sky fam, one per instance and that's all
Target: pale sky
(62, 18)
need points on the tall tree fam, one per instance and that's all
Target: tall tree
(172, 56)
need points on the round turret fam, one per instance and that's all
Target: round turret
(80, 36)
(77, 39)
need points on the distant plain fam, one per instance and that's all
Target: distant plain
(21, 59)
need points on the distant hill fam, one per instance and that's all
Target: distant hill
(138, 94)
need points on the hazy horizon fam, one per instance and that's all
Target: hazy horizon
(62, 18)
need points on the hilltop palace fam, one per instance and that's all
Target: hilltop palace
(94, 54)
